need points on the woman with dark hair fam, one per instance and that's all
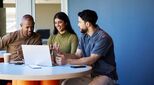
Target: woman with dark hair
(64, 37)
(63, 34)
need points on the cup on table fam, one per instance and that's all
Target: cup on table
(6, 57)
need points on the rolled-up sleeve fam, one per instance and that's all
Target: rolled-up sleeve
(101, 47)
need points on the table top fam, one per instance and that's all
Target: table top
(24, 72)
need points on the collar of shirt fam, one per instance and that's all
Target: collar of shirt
(95, 33)
(63, 35)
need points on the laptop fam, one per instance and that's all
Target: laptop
(38, 55)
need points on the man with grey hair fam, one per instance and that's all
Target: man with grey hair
(12, 42)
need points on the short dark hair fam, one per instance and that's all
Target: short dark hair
(88, 16)
(29, 18)
(64, 17)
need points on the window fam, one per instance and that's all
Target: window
(10, 20)
(10, 15)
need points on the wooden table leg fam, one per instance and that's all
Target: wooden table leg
(50, 82)
(44, 82)
(14, 82)
(22, 82)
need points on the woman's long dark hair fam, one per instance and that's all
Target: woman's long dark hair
(64, 17)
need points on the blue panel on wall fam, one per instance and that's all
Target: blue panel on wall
(131, 25)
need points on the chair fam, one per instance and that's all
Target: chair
(45, 33)
(64, 81)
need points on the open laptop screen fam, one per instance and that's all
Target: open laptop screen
(37, 55)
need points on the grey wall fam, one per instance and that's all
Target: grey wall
(131, 25)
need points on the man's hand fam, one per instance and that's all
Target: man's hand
(61, 59)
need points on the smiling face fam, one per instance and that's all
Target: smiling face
(27, 28)
(60, 25)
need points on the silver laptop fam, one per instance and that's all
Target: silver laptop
(37, 55)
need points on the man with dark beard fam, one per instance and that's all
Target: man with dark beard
(95, 49)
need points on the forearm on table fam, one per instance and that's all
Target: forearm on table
(84, 60)
(73, 61)
(80, 61)
(71, 56)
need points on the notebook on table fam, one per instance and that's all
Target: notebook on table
(36, 55)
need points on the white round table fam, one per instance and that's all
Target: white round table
(24, 72)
